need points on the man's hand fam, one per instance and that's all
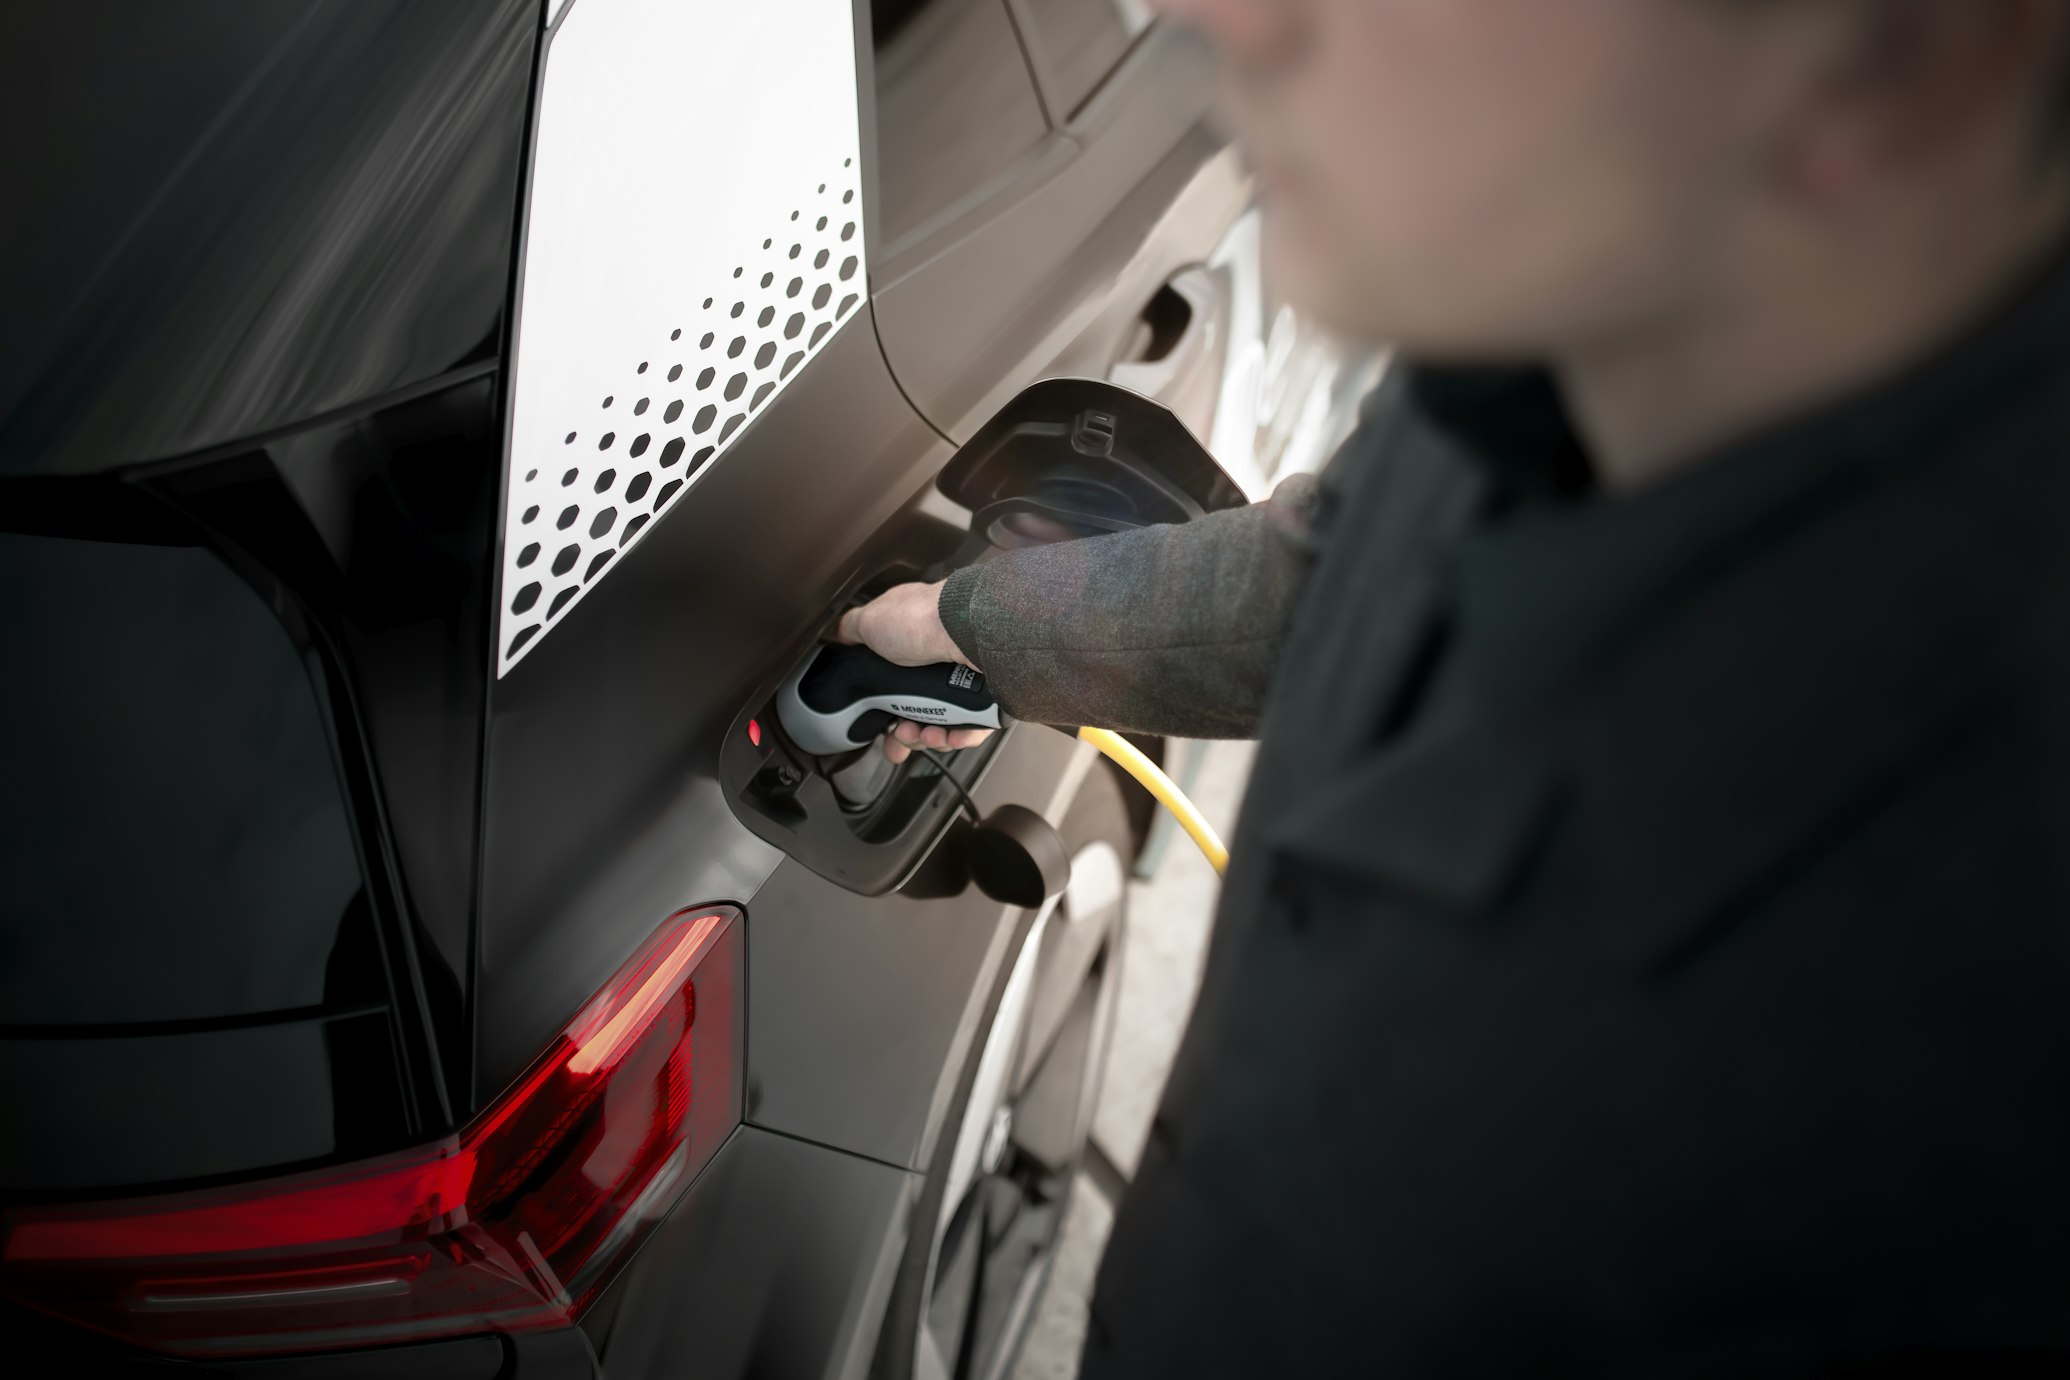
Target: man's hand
(902, 625)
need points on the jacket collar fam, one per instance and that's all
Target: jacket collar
(1714, 670)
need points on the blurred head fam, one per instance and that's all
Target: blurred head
(1514, 178)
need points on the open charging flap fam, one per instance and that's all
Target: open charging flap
(1078, 457)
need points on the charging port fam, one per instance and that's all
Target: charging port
(854, 817)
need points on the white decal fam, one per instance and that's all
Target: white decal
(694, 236)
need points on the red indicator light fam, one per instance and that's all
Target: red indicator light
(755, 732)
(512, 1224)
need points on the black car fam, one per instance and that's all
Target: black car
(429, 435)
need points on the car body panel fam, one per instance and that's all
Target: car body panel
(248, 215)
(866, 1008)
(1049, 270)
(604, 813)
(776, 1263)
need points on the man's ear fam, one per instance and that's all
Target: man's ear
(1922, 80)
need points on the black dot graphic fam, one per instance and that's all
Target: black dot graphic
(738, 308)
(675, 372)
(530, 513)
(820, 296)
(564, 559)
(846, 303)
(705, 416)
(639, 445)
(670, 453)
(602, 559)
(639, 407)
(706, 343)
(768, 278)
(848, 231)
(797, 357)
(765, 354)
(848, 268)
(796, 250)
(819, 333)
(632, 529)
(847, 197)
(524, 635)
(846, 161)
(767, 243)
(531, 475)
(605, 480)
(643, 363)
(570, 441)
(732, 425)
(822, 186)
(607, 402)
(675, 410)
(668, 491)
(605, 443)
(819, 260)
(822, 224)
(567, 517)
(734, 386)
(602, 522)
(560, 601)
(526, 597)
(704, 379)
(569, 478)
(707, 304)
(794, 325)
(697, 460)
(637, 490)
(795, 286)
(528, 555)
(677, 333)
(794, 215)
(738, 344)
(767, 315)
(760, 393)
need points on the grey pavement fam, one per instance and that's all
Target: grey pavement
(1168, 922)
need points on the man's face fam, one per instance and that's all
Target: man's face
(1487, 178)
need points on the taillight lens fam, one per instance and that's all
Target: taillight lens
(513, 1224)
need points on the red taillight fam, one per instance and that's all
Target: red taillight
(512, 1224)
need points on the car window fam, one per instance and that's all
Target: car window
(1077, 42)
(173, 845)
(955, 107)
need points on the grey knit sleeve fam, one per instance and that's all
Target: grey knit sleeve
(1170, 630)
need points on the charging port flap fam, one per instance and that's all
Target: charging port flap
(1077, 457)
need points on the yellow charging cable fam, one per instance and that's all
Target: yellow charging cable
(1130, 759)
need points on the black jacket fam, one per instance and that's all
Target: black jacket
(1647, 945)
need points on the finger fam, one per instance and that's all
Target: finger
(968, 737)
(906, 731)
(935, 736)
(849, 629)
(895, 752)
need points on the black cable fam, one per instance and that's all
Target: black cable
(853, 807)
(941, 769)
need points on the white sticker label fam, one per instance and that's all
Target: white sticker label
(694, 236)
